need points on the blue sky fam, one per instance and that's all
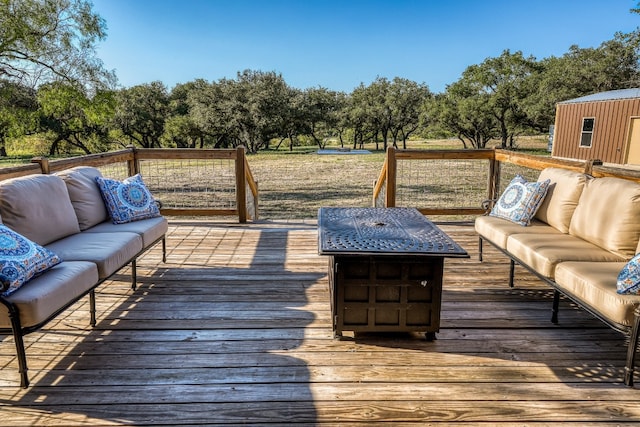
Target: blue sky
(341, 44)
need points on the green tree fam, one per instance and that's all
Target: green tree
(141, 112)
(378, 109)
(208, 113)
(18, 111)
(386, 109)
(48, 40)
(295, 113)
(501, 82)
(69, 115)
(254, 108)
(465, 113)
(321, 115)
(180, 128)
(582, 71)
(405, 100)
(361, 116)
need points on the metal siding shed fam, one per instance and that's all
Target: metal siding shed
(615, 113)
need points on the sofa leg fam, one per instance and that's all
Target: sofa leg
(480, 249)
(20, 351)
(512, 267)
(631, 350)
(134, 275)
(92, 308)
(164, 249)
(555, 307)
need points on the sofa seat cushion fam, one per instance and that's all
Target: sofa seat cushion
(498, 230)
(150, 229)
(109, 251)
(607, 215)
(562, 197)
(45, 295)
(85, 195)
(38, 207)
(543, 252)
(594, 284)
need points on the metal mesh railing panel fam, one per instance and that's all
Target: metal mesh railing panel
(117, 171)
(441, 183)
(191, 183)
(509, 170)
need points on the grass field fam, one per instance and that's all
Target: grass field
(295, 184)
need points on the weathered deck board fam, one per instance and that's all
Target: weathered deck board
(235, 329)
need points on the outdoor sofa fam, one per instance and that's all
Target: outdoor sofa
(582, 241)
(65, 224)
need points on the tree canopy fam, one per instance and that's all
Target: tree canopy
(52, 84)
(48, 40)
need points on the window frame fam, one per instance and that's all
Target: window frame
(589, 133)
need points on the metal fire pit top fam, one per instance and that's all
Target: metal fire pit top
(386, 231)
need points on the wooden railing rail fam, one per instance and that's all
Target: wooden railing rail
(246, 188)
(96, 160)
(252, 194)
(380, 184)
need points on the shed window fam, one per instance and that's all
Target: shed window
(587, 131)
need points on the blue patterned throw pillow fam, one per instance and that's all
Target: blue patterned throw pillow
(520, 200)
(628, 282)
(127, 200)
(21, 260)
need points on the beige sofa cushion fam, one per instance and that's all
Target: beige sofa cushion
(44, 295)
(543, 252)
(498, 230)
(562, 197)
(38, 207)
(608, 215)
(85, 195)
(150, 229)
(594, 284)
(109, 251)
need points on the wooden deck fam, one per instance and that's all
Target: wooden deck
(235, 329)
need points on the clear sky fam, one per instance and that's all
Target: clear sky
(338, 44)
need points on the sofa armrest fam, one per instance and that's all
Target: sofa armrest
(487, 205)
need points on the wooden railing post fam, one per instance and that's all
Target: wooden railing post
(494, 179)
(133, 164)
(44, 164)
(588, 166)
(241, 185)
(390, 194)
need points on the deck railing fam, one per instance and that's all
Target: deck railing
(219, 182)
(463, 179)
(187, 182)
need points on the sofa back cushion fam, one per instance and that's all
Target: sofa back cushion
(607, 215)
(562, 197)
(38, 207)
(85, 195)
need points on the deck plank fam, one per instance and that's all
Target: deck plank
(235, 329)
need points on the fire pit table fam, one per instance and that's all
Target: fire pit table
(385, 269)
